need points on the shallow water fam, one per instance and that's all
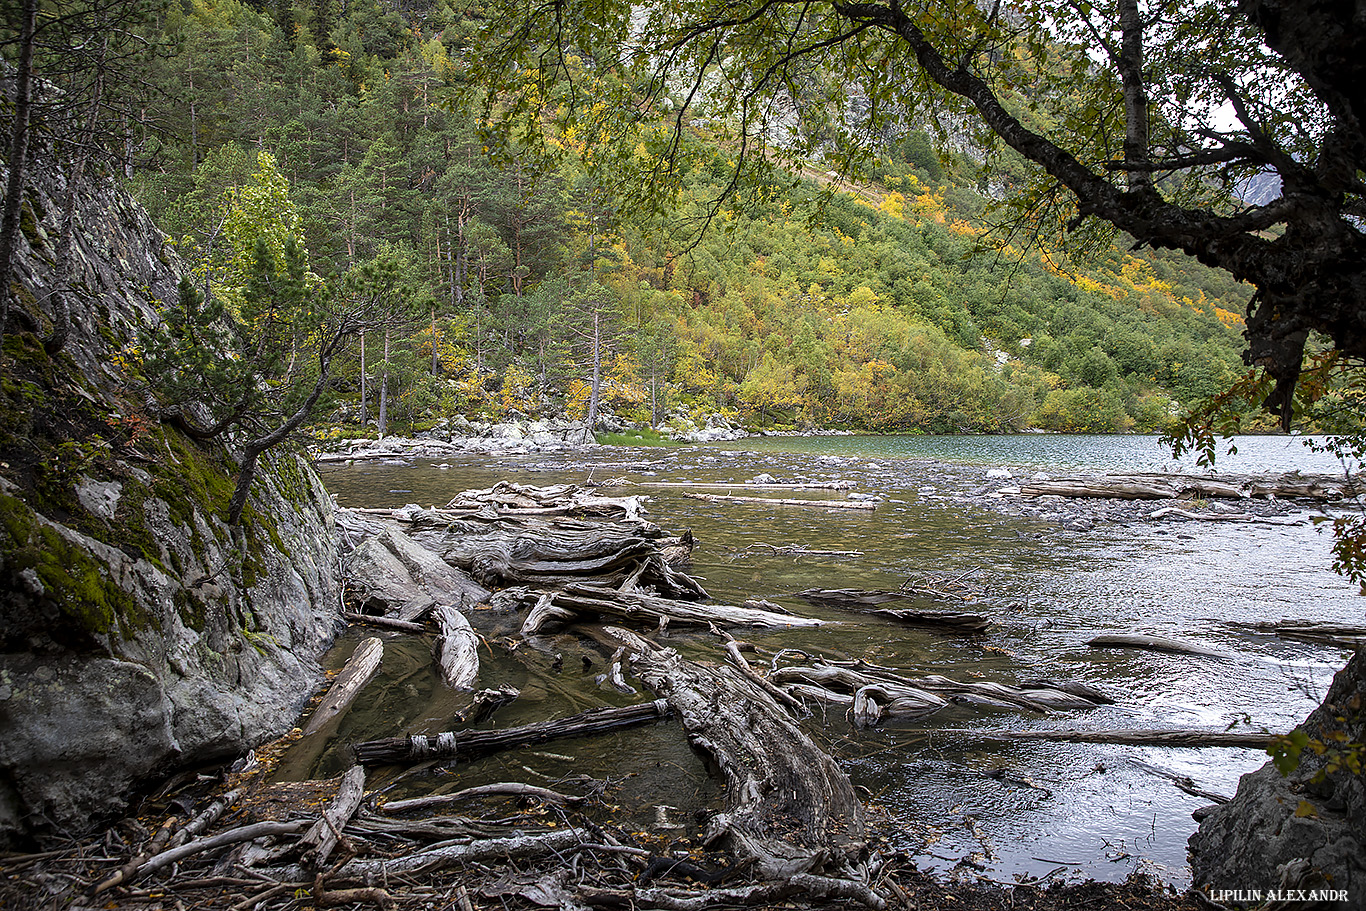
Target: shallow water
(1082, 810)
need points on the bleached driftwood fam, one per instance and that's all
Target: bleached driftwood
(582, 599)
(871, 602)
(359, 668)
(1154, 644)
(551, 555)
(507, 497)
(457, 651)
(1174, 486)
(319, 841)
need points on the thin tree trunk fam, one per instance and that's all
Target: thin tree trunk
(597, 372)
(1135, 94)
(364, 386)
(384, 388)
(18, 153)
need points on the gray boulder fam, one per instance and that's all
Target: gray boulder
(1302, 831)
(390, 570)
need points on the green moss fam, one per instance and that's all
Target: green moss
(74, 581)
(28, 223)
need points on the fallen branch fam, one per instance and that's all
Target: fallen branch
(386, 622)
(230, 837)
(775, 501)
(468, 744)
(600, 600)
(503, 789)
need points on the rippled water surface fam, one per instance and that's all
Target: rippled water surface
(1082, 810)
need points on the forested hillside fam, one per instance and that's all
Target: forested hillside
(511, 275)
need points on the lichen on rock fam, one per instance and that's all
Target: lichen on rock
(139, 632)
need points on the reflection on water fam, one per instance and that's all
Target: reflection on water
(1085, 808)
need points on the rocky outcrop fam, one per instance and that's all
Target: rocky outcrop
(139, 632)
(1302, 831)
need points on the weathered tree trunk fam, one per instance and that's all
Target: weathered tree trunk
(384, 387)
(364, 385)
(789, 807)
(458, 650)
(319, 842)
(21, 112)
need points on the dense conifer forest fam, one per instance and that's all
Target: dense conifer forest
(520, 272)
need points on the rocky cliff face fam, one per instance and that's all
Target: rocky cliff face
(1303, 831)
(139, 633)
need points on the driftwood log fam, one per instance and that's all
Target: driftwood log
(585, 600)
(555, 554)
(1173, 737)
(463, 745)
(871, 602)
(789, 807)
(507, 497)
(1154, 644)
(457, 651)
(1174, 486)
(1338, 635)
(319, 841)
(776, 501)
(361, 666)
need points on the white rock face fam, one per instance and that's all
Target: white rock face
(139, 633)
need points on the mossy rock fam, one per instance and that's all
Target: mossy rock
(71, 598)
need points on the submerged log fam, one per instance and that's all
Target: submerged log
(1182, 782)
(457, 651)
(776, 501)
(359, 668)
(789, 807)
(596, 600)
(1161, 737)
(1154, 644)
(869, 602)
(1338, 635)
(1173, 486)
(463, 745)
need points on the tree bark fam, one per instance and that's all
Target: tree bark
(18, 155)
